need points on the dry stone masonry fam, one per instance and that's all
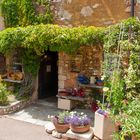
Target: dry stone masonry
(90, 13)
(87, 12)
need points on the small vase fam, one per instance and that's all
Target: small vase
(61, 128)
(79, 129)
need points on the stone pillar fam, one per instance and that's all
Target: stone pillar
(35, 92)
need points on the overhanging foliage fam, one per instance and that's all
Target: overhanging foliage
(41, 37)
(56, 38)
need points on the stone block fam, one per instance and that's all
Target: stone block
(65, 104)
(64, 136)
(2, 26)
(49, 127)
(61, 84)
(1, 111)
(84, 136)
(62, 77)
(56, 134)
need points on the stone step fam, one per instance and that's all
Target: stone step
(84, 136)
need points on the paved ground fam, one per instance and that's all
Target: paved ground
(11, 129)
(38, 112)
(32, 121)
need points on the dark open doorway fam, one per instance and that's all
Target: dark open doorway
(48, 75)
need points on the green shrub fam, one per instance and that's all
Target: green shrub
(3, 94)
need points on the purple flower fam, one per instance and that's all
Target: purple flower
(78, 119)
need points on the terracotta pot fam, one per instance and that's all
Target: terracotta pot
(117, 126)
(134, 137)
(79, 129)
(61, 128)
(63, 93)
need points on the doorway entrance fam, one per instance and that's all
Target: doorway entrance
(48, 75)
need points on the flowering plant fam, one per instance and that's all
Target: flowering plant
(78, 119)
(61, 118)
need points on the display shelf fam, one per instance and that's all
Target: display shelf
(13, 81)
(90, 86)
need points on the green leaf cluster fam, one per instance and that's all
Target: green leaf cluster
(3, 94)
(23, 12)
(41, 37)
(130, 119)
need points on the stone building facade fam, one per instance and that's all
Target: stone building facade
(73, 13)
(88, 13)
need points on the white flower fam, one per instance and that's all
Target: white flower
(103, 77)
(105, 89)
(82, 113)
(50, 116)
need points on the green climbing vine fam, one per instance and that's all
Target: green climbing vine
(30, 61)
(41, 37)
(124, 88)
(22, 13)
(9, 10)
(25, 12)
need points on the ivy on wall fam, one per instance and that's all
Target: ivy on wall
(24, 12)
(20, 13)
(129, 42)
(57, 38)
(33, 40)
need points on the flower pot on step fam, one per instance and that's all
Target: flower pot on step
(61, 128)
(80, 129)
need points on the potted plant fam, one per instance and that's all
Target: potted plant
(60, 122)
(79, 122)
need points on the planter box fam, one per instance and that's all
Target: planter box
(65, 104)
(104, 127)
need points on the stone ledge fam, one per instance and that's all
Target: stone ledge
(13, 107)
(85, 136)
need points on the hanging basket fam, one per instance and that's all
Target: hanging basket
(80, 129)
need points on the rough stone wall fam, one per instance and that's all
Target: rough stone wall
(13, 107)
(86, 12)
(88, 60)
(65, 77)
(137, 10)
(92, 60)
(2, 23)
(89, 12)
